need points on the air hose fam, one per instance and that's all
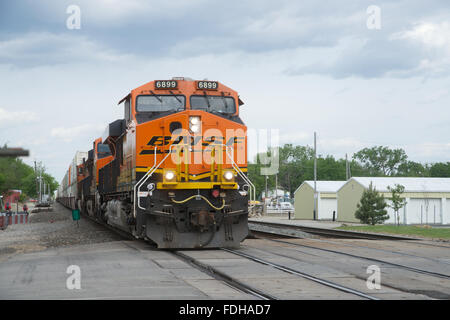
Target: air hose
(204, 198)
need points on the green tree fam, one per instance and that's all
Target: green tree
(328, 168)
(371, 208)
(440, 169)
(413, 169)
(397, 201)
(295, 166)
(381, 161)
(15, 174)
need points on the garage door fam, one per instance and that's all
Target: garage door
(391, 213)
(326, 208)
(447, 212)
(424, 211)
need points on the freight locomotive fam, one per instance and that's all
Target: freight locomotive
(172, 171)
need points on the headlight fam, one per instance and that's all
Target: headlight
(194, 124)
(228, 175)
(195, 128)
(195, 120)
(169, 175)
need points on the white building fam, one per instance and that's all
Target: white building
(326, 200)
(427, 199)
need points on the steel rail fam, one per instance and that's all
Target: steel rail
(236, 284)
(329, 232)
(381, 250)
(303, 275)
(428, 244)
(430, 273)
(198, 265)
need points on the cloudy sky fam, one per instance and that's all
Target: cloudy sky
(299, 66)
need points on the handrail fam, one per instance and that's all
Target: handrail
(150, 172)
(147, 175)
(244, 177)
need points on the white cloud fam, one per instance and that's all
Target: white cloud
(82, 74)
(69, 134)
(429, 150)
(430, 34)
(46, 48)
(342, 144)
(296, 137)
(9, 118)
(434, 42)
(116, 13)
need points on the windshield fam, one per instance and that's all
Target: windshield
(160, 103)
(213, 104)
(103, 150)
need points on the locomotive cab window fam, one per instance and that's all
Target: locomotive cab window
(148, 106)
(103, 150)
(219, 104)
(160, 103)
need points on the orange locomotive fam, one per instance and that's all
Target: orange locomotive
(173, 171)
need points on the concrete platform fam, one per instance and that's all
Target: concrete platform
(112, 270)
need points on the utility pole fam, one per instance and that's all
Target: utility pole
(276, 190)
(37, 178)
(349, 171)
(265, 194)
(265, 198)
(40, 182)
(315, 177)
(346, 168)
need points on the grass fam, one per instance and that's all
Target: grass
(420, 231)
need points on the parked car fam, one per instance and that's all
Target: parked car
(286, 206)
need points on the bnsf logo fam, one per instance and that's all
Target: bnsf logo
(166, 140)
(159, 141)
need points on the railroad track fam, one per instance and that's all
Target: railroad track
(259, 293)
(285, 230)
(239, 285)
(413, 269)
(430, 244)
(218, 275)
(303, 275)
(383, 250)
(213, 272)
(303, 231)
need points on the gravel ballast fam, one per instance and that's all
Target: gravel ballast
(49, 230)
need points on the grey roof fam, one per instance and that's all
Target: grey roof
(410, 184)
(324, 186)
